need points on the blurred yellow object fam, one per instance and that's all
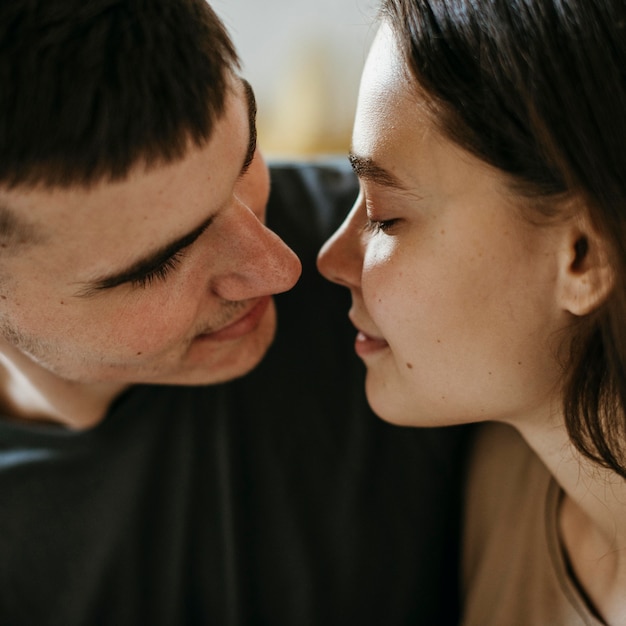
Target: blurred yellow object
(304, 60)
(304, 119)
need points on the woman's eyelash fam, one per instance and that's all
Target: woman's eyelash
(159, 273)
(379, 226)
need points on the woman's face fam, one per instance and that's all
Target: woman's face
(454, 292)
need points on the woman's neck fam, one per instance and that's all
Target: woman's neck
(592, 518)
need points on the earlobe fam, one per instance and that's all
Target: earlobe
(587, 276)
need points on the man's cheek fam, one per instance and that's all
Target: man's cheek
(148, 328)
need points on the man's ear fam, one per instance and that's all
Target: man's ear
(586, 275)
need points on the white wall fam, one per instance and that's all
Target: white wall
(304, 60)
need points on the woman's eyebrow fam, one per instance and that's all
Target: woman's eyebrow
(367, 169)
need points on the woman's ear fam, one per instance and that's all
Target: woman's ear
(586, 275)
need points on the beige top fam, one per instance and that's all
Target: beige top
(514, 570)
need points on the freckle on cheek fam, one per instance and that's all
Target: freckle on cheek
(139, 353)
(410, 365)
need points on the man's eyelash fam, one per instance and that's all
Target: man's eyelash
(159, 273)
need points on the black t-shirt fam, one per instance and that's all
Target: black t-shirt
(276, 499)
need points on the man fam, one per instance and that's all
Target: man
(138, 485)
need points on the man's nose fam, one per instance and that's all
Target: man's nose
(259, 262)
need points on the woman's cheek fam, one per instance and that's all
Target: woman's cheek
(380, 268)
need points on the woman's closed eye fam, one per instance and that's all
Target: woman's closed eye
(380, 226)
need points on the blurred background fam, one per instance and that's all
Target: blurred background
(304, 60)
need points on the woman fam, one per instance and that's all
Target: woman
(486, 257)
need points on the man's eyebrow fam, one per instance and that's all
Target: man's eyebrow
(143, 267)
(366, 169)
(252, 109)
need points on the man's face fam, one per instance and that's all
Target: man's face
(166, 277)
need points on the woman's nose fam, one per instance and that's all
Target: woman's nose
(341, 258)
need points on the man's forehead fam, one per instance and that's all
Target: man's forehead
(30, 215)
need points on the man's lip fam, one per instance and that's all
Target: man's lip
(242, 326)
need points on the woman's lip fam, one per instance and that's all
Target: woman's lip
(366, 345)
(242, 326)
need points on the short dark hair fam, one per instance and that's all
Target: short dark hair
(91, 88)
(537, 88)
